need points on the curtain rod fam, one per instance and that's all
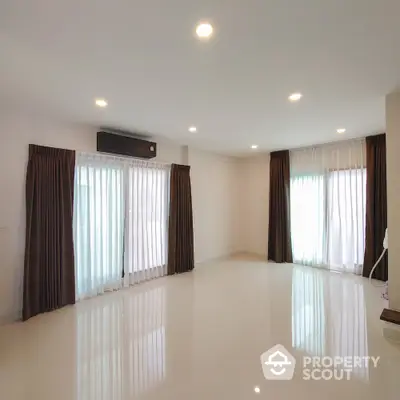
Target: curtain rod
(123, 158)
(334, 143)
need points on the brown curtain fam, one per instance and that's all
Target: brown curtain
(279, 240)
(376, 207)
(49, 277)
(180, 231)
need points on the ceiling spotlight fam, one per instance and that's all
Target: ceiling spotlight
(192, 129)
(295, 97)
(204, 30)
(254, 146)
(341, 131)
(257, 389)
(101, 103)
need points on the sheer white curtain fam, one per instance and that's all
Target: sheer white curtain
(120, 222)
(328, 185)
(147, 220)
(98, 224)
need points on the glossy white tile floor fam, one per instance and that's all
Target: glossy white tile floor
(200, 336)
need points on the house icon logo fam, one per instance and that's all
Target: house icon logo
(278, 364)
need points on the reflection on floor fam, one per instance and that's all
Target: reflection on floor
(133, 347)
(200, 336)
(329, 316)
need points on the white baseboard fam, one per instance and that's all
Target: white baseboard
(252, 255)
(9, 319)
(237, 255)
(214, 259)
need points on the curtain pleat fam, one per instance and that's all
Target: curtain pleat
(279, 240)
(146, 228)
(376, 207)
(49, 253)
(120, 228)
(180, 236)
(328, 185)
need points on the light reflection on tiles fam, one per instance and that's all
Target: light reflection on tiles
(320, 300)
(308, 312)
(122, 357)
(200, 335)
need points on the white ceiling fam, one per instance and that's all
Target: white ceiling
(142, 56)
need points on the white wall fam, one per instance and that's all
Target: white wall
(231, 204)
(215, 196)
(393, 193)
(255, 205)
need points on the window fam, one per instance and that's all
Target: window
(98, 228)
(120, 222)
(327, 204)
(146, 222)
(346, 217)
(307, 219)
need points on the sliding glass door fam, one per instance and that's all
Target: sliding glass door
(146, 222)
(98, 225)
(327, 204)
(307, 208)
(346, 191)
(120, 222)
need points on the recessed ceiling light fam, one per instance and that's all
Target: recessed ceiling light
(254, 146)
(101, 103)
(341, 131)
(257, 389)
(295, 97)
(204, 30)
(192, 129)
